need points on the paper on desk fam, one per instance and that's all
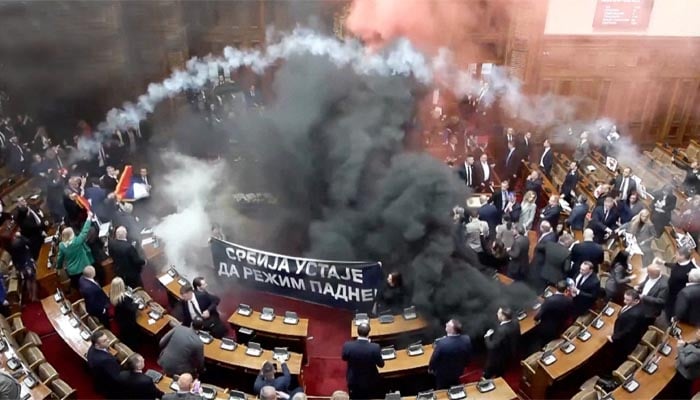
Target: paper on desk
(151, 321)
(147, 241)
(166, 279)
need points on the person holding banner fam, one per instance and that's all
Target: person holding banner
(391, 296)
(74, 252)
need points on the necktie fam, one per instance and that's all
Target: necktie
(469, 175)
(579, 280)
(623, 189)
(606, 216)
(510, 153)
(195, 307)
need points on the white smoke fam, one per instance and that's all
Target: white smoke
(189, 185)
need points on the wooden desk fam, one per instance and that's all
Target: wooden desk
(39, 391)
(276, 328)
(171, 284)
(528, 323)
(142, 317)
(651, 385)
(404, 364)
(502, 392)
(385, 332)
(47, 280)
(221, 394)
(61, 324)
(545, 375)
(238, 359)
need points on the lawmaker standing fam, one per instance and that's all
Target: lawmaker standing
(74, 252)
(127, 262)
(502, 344)
(450, 356)
(124, 313)
(363, 358)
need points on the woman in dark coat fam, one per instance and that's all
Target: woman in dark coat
(392, 295)
(124, 313)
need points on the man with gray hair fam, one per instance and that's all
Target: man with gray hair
(96, 301)
(184, 389)
(688, 301)
(128, 264)
(268, 393)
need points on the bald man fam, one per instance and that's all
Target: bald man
(184, 384)
(588, 250)
(96, 301)
(654, 290)
(128, 264)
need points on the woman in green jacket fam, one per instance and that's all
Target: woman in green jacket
(74, 252)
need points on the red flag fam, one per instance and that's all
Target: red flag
(82, 202)
(124, 183)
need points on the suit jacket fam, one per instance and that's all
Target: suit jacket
(480, 175)
(688, 305)
(553, 316)
(586, 251)
(660, 219)
(182, 351)
(490, 214)
(577, 218)
(502, 346)
(206, 301)
(136, 385)
(128, 264)
(462, 172)
(534, 185)
(599, 222)
(498, 199)
(547, 161)
(653, 303)
(519, 257)
(556, 261)
(551, 213)
(569, 184)
(631, 186)
(588, 293)
(280, 383)
(104, 369)
(677, 280)
(450, 356)
(96, 301)
(582, 150)
(16, 160)
(629, 329)
(688, 362)
(363, 358)
(511, 165)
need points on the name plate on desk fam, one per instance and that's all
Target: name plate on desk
(522, 315)
(290, 318)
(205, 337)
(609, 311)
(58, 296)
(584, 335)
(537, 306)
(631, 386)
(280, 354)
(13, 364)
(568, 347)
(85, 334)
(598, 323)
(361, 318)
(428, 395)
(155, 315)
(388, 353)
(65, 309)
(415, 350)
(228, 344)
(666, 349)
(410, 313)
(549, 359)
(386, 319)
(29, 381)
(651, 367)
(456, 393)
(73, 322)
(244, 310)
(486, 385)
(236, 395)
(208, 393)
(182, 281)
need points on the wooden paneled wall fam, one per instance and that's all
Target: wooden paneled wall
(650, 85)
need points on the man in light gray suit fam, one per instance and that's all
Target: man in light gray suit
(654, 290)
(182, 350)
(184, 385)
(583, 148)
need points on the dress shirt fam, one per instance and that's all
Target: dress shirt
(648, 285)
(487, 171)
(544, 154)
(194, 307)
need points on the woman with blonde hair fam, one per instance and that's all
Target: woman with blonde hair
(125, 310)
(74, 252)
(528, 207)
(643, 230)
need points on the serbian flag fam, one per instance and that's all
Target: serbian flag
(124, 185)
(82, 202)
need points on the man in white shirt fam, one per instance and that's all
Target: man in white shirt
(484, 171)
(654, 290)
(585, 289)
(546, 159)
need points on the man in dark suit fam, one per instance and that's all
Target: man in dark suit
(500, 198)
(577, 217)
(490, 214)
(585, 288)
(688, 301)
(502, 344)
(630, 326)
(450, 356)
(110, 179)
(555, 256)
(134, 383)
(546, 159)
(16, 161)
(200, 303)
(104, 367)
(128, 264)
(547, 233)
(653, 292)
(467, 172)
(363, 358)
(551, 211)
(32, 224)
(587, 250)
(625, 185)
(266, 377)
(554, 315)
(484, 174)
(678, 278)
(524, 146)
(511, 163)
(568, 187)
(604, 220)
(182, 350)
(663, 204)
(519, 254)
(96, 301)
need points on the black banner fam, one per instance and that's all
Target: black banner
(344, 284)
